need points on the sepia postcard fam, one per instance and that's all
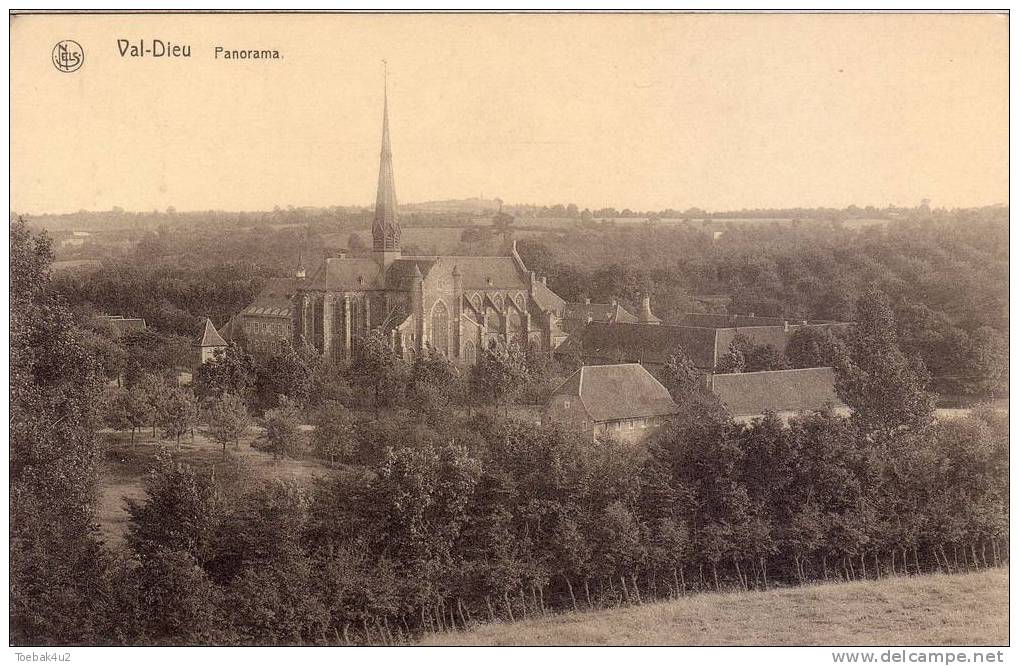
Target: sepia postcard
(401, 329)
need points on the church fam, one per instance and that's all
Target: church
(451, 305)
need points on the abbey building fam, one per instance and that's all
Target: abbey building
(452, 305)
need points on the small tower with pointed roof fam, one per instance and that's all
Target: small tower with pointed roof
(208, 342)
(646, 316)
(385, 224)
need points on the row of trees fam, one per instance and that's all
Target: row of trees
(466, 520)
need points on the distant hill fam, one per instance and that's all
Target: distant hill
(472, 206)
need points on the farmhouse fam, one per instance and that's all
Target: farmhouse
(704, 338)
(647, 344)
(750, 395)
(622, 401)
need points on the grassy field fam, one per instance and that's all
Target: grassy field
(963, 609)
(127, 464)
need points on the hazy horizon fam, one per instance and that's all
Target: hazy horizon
(370, 206)
(716, 111)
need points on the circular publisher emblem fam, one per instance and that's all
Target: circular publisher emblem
(68, 55)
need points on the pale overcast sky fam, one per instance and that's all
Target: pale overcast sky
(638, 111)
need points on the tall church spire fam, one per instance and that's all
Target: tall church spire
(385, 225)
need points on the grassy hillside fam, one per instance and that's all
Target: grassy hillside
(929, 610)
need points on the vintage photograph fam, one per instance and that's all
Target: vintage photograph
(510, 329)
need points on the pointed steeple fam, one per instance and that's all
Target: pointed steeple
(385, 225)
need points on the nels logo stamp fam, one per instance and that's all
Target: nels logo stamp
(68, 56)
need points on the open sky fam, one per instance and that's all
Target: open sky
(638, 111)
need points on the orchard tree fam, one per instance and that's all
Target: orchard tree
(115, 409)
(228, 420)
(287, 373)
(152, 392)
(127, 409)
(229, 371)
(178, 413)
(333, 437)
(283, 429)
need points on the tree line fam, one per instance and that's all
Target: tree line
(946, 278)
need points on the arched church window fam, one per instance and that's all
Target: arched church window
(497, 300)
(493, 318)
(440, 328)
(515, 328)
(470, 353)
(476, 302)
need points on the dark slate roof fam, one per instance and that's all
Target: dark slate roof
(401, 269)
(275, 299)
(647, 343)
(548, 300)
(753, 393)
(487, 272)
(347, 274)
(210, 336)
(776, 336)
(124, 325)
(602, 312)
(365, 273)
(613, 392)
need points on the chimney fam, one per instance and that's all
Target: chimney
(587, 301)
(544, 280)
(785, 326)
(751, 314)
